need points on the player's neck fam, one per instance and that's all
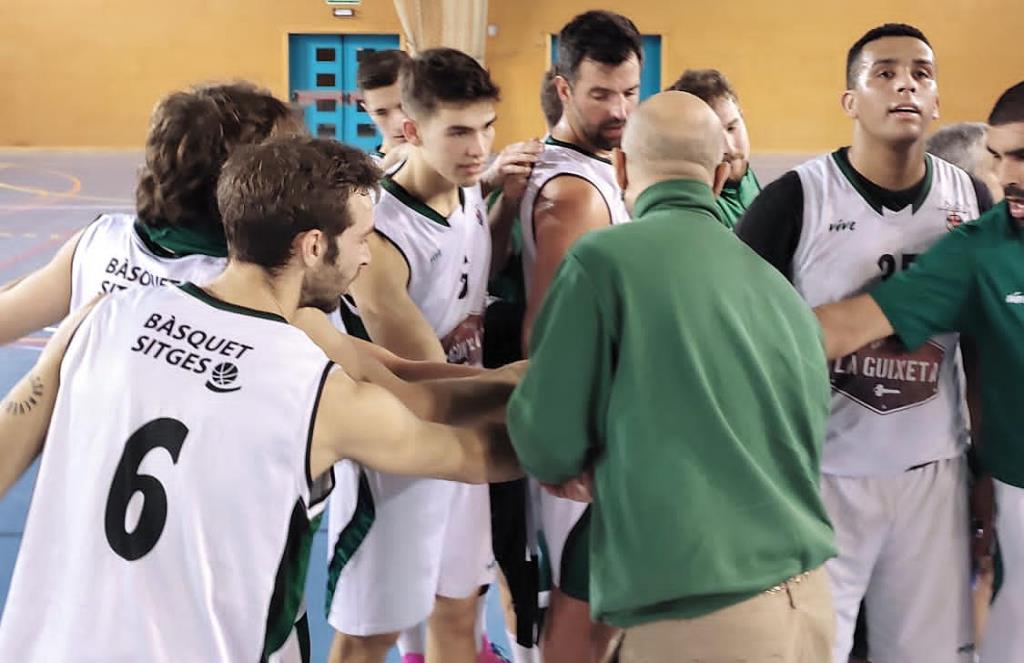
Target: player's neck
(893, 167)
(388, 145)
(564, 132)
(251, 286)
(427, 185)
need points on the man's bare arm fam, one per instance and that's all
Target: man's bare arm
(447, 400)
(851, 324)
(566, 209)
(367, 424)
(26, 410)
(415, 370)
(38, 299)
(389, 314)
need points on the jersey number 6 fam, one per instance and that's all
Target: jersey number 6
(165, 433)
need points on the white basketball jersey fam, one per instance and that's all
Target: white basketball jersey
(112, 256)
(891, 409)
(564, 159)
(449, 262)
(169, 514)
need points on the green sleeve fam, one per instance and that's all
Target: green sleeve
(556, 414)
(934, 295)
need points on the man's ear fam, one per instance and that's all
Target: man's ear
(619, 162)
(411, 131)
(849, 103)
(720, 177)
(562, 88)
(309, 246)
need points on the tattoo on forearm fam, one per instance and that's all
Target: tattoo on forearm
(25, 405)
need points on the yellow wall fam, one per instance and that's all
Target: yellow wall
(88, 73)
(786, 58)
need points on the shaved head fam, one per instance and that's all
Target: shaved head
(674, 135)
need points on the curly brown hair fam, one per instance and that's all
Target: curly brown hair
(191, 135)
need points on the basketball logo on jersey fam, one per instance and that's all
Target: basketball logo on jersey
(222, 377)
(464, 344)
(885, 378)
(189, 348)
(954, 215)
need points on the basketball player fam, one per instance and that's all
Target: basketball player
(894, 473)
(203, 564)
(970, 281)
(714, 89)
(175, 235)
(377, 79)
(429, 551)
(571, 191)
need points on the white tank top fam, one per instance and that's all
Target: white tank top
(112, 256)
(891, 410)
(449, 262)
(167, 520)
(564, 159)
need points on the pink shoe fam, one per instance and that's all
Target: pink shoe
(413, 658)
(490, 653)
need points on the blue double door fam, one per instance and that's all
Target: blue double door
(322, 79)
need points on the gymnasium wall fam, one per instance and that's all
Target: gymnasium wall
(88, 73)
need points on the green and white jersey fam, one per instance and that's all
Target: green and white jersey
(112, 255)
(560, 159)
(891, 409)
(449, 262)
(176, 476)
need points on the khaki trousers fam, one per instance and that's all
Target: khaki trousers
(791, 623)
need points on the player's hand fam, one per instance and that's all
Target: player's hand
(579, 489)
(982, 519)
(516, 160)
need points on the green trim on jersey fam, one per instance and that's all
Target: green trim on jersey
(551, 140)
(351, 537)
(353, 323)
(202, 295)
(736, 198)
(414, 203)
(854, 178)
(290, 583)
(178, 242)
(142, 232)
(574, 576)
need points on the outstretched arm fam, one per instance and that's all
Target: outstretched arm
(26, 410)
(367, 424)
(448, 400)
(851, 324)
(38, 299)
(388, 312)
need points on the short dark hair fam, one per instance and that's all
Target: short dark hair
(379, 69)
(550, 102)
(191, 134)
(708, 85)
(1009, 108)
(887, 30)
(271, 192)
(598, 35)
(443, 75)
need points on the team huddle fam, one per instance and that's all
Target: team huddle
(586, 371)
